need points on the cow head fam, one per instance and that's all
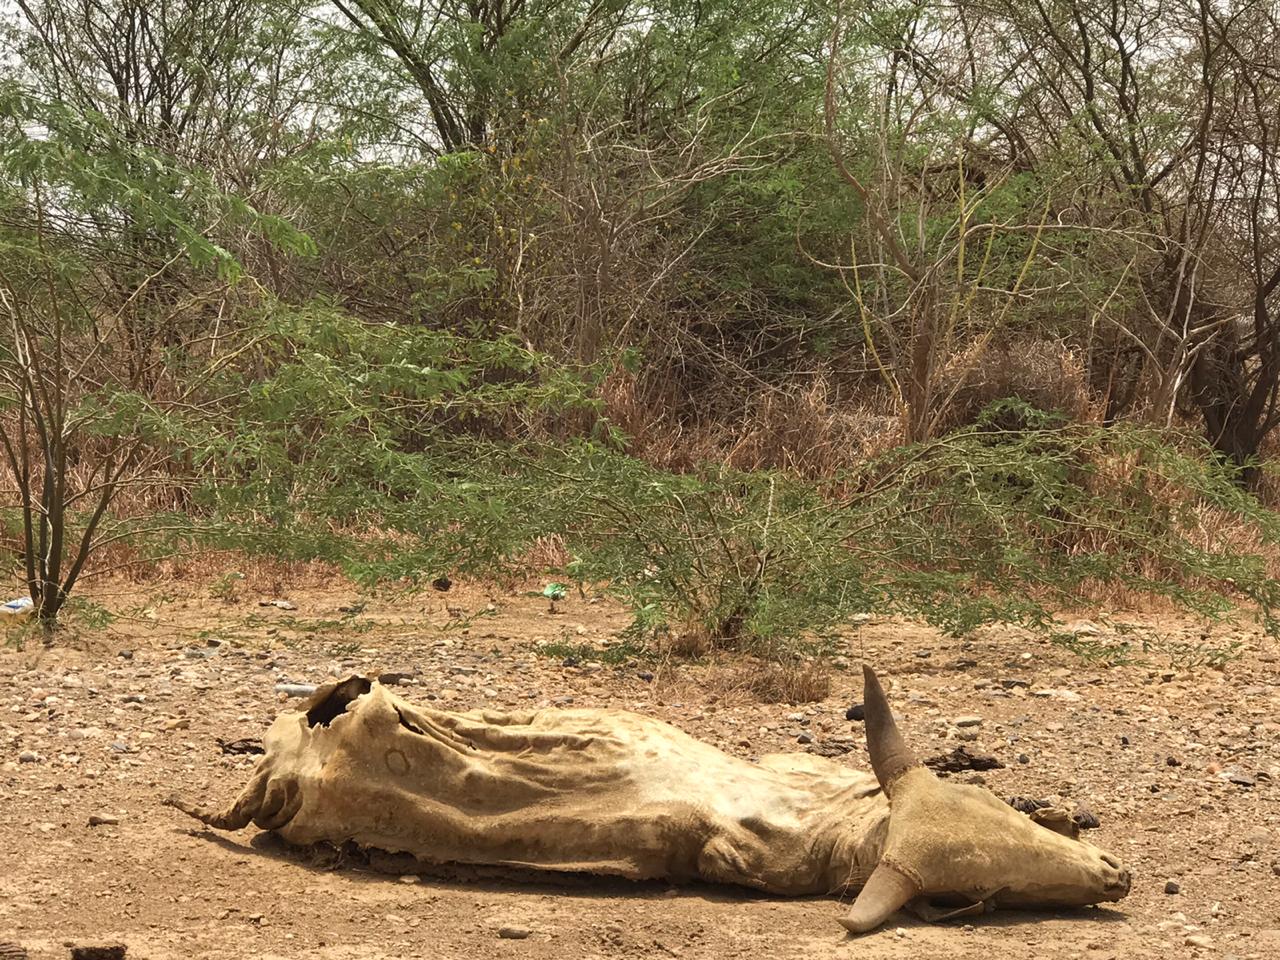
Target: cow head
(962, 845)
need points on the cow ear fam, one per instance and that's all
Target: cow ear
(887, 889)
(1058, 820)
(890, 755)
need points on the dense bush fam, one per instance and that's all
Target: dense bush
(986, 524)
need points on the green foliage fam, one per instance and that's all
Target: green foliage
(227, 586)
(988, 524)
(98, 389)
(614, 655)
(737, 558)
(378, 446)
(87, 615)
(86, 168)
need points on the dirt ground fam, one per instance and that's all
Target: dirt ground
(1178, 758)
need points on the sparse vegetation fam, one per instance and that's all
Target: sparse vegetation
(792, 681)
(615, 654)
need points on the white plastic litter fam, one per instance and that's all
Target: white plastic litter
(17, 608)
(296, 689)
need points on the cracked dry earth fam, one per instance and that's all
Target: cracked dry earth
(1179, 762)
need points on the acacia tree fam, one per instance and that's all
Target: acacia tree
(86, 410)
(597, 176)
(1148, 127)
(949, 232)
(64, 456)
(1235, 379)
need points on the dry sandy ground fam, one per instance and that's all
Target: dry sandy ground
(1151, 748)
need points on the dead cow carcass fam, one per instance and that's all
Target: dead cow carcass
(612, 792)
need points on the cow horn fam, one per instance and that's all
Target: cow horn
(887, 889)
(890, 755)
(236, 817)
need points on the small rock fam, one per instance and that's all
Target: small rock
(805, 738)
(134, 698)
(125, 654)
(1084, 628)
(1199, 940)
(113, 951)
(103, 820)
(1258, 835)
(514, 933)
(968, 721)
(960, 760)
(442, 584)
(856, 713)
(1275, 867)
(1171, 887)
(178, 723)
(394, 677)
(28, 756)
(646, 676)
(1241, 779)
(1172, 762)
(1068, 696)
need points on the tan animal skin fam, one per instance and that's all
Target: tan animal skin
(613, 792)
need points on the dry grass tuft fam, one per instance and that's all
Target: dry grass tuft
(1044, 373)
(688, 644)
(788, 682)
(545, 553)
(807, 427)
